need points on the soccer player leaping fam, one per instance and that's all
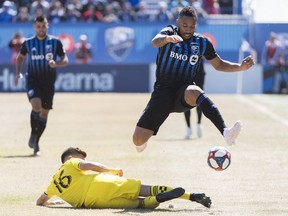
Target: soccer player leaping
(180, 50)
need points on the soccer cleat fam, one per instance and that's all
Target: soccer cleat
(32, 140)
(36, 150)
(199, 130)
(201, 198)
(230, 134)
(188, 133)
(141, 148)
(173, 194)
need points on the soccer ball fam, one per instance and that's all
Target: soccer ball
(219, 158)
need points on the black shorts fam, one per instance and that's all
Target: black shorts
(36, 90)
(163, 102)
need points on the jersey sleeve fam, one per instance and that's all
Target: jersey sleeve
(167, 30)
(75, 162)
(23, 49)
(60, 50)
(210, 52)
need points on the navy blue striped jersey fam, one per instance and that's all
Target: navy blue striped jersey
(40, 53)
(178, 63)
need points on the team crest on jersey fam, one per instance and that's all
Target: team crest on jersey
(195, 49)
(49, 56)
(193, 59)
(48, 48)
(119, 42)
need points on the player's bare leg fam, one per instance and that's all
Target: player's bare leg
(140, 138)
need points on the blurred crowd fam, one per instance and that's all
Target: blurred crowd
(108, 11)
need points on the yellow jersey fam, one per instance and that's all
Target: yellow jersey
(100, 190)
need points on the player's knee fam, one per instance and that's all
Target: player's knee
(192, 93)
(138, 140)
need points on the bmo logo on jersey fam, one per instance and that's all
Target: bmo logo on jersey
(192, 60)
(37, 57)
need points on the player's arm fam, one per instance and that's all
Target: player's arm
(227, 66)
(43, 200)
(98, 167)
(19, 63)
(63, 62)
(161, 39)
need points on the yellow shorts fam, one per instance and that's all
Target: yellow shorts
(110, 191)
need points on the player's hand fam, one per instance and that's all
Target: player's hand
(174, 39)
(52, 63)
(247, 63)
(116, 171)
(55, 202)
(16, 79)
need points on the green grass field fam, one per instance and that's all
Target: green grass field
(256, 183)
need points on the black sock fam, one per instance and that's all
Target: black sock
(199, 114)
(34, 116)
(187, 117)
(210, 110)
(42, 125)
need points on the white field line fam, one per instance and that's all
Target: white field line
(263, 109)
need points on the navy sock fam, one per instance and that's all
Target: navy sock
(199, 114)
(42, 125)
(34, 116)
(210, 110)
(187, 117)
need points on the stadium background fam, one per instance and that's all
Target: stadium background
(124, 61)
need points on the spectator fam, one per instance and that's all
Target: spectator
(15, 44)
(38, 5)
(202, 14)
(163, 13)
(178, 3)
(142, 12)
(226, 6)
(273, 55)
(6, 12)
(57, 12)
(175, 12)
(92, 14)
(211, 6)
(272, 51)
(82, 50)
(109, 15)
(127, 13)
(23, 15)
(72, 14)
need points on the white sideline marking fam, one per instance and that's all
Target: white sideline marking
(263, 110)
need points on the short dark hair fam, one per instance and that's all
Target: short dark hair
(40, 18)
(72, 151)
(188, 11)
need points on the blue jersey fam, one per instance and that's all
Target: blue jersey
(179, 63)
(40, 53)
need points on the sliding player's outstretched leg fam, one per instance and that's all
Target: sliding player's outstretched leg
(152, 202)
(194, 197)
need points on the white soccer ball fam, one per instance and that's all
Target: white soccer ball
(219, 158)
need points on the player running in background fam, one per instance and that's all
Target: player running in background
(179, 51)
(106, 188)
(43, 50)
(199, 81)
